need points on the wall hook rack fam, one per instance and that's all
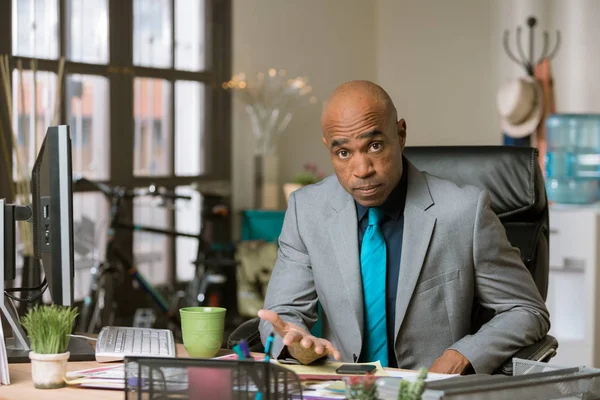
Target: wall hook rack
(529, 62)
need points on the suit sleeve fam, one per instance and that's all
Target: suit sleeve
(291, 291)
(502, 284)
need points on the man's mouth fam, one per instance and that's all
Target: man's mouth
(367, 189)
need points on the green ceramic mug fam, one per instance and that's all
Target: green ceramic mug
(202, 329)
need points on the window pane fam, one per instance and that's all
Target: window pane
(87, 31)
(88, 116)
(152, 33)
(35, 28)
(190, 26)
(187, 220)
(30, 123)
(90, 226)
(152, 134)
(150, 250)
(189, 128)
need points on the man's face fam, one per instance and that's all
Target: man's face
(366, 151)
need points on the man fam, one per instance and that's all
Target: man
(396, 257)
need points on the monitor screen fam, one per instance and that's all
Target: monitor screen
(51, 189)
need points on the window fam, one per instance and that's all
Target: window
(152, 154)
(149, 110)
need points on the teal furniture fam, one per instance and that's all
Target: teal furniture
(262, 224)
(266, 225)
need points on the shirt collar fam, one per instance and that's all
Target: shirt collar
(393, 206)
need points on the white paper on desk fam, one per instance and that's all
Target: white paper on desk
(412, 375)
(4, 376)
(113, 377)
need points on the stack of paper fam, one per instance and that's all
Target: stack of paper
(326, 371)
(4, 376)
(108, 377)
(113, 377)
(412, 375)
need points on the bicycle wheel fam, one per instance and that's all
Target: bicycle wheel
(104, 302)
(89, 301)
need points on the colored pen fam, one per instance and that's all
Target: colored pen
(238, 350)
(268, 345)
(245, 349)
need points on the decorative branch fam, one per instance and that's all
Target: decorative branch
(268, 101)
(21, 195)
(57, 94)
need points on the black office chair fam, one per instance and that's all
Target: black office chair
(516, 185)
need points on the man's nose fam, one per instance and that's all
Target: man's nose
(362, 166)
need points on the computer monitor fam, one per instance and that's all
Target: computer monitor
(51, 181)
(52, 216)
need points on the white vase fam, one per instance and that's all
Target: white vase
(48, 371)
(288, 188)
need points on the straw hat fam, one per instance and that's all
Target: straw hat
(520, 105)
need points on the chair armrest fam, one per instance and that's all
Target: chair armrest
(541, 351)
(247, 331)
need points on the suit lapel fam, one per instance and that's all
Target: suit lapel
(343, 233)
(418, 228)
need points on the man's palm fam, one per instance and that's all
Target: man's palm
(301, 345)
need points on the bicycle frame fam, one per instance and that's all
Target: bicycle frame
(113, 252)
(138, 276)
(114, 256)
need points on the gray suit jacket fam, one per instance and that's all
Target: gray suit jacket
(454, 253)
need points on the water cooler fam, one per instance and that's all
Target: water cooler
(573, 158)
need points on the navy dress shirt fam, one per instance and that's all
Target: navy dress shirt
(392, 227)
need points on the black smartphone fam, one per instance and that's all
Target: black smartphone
(355, 369)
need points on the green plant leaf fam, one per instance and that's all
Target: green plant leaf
(413, 390)
(48, 328)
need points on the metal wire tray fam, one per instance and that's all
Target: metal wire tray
(150, 378)
(530, 381)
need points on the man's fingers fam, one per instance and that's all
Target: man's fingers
(291, 337)
(337, 355)
(319, 347)
(331, 350)
(279, 325)
(306, 342)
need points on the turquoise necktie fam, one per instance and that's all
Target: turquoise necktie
(373, 268)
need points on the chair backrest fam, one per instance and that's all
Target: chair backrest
(513, 177)
(516, 185)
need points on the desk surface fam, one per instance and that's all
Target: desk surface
(21, 386)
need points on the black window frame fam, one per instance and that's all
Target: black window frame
(121, 72)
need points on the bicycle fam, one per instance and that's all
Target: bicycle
(100, 305)
(212, 259)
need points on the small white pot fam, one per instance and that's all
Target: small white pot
(288, 188)
(48, 371)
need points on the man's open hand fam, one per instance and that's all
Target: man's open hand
(301, 345)
(451, 362)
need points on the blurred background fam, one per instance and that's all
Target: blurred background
(221, 100)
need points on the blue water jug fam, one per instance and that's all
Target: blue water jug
(573, 158)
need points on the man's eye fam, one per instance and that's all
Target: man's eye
(342, 154)
(376, 146)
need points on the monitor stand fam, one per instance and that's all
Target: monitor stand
(18, 347)
(79, 348)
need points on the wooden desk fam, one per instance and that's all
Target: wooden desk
(21, 387)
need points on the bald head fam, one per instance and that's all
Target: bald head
(365, 139)
(355, 97)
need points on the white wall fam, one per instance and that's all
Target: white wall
(576, 67)
(441, 61)
(329, 41)
(433, 57)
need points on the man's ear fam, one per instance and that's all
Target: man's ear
(402, 132)
(324, 141)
